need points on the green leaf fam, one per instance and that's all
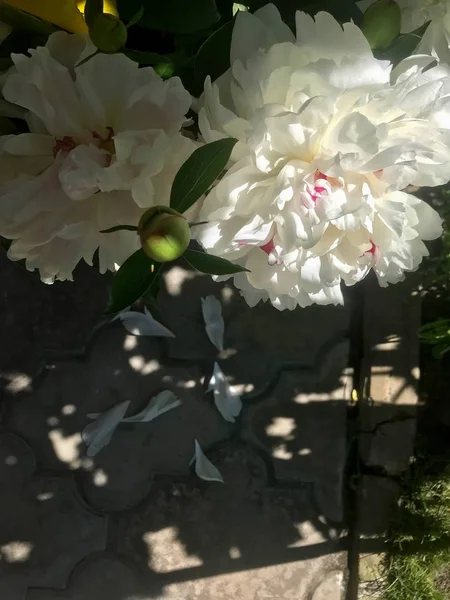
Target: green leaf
(213, 265)
(19, 19)
(213, 56)
(199, 172)
(403, 46)
(119, 228)
(174, 16)
(137, 17)
(164, 64)
(148, 58)
(164, 70)
(134, 278)
(92, 9)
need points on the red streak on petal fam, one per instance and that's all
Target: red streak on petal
(379, 173)
(269, 247)
(373, 248)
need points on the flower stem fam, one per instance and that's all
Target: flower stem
(87, 58)
(119, 228)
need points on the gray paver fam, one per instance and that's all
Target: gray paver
(45, 527)
(304, 431)
(268, 533)
(391, 323)
(239, 539)
(257, 340)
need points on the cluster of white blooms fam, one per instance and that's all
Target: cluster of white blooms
(328, 137)
(104, 145)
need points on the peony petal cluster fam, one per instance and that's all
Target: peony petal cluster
(105, 143)
(415, 13)
(328, 137)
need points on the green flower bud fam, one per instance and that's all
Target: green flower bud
(164, 233)
(381, 23)
(108, 33)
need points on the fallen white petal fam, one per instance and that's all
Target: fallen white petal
(226, 398)
(157, 406)
(214, 325)
(138, 323)
(97, 435)
(204, 467)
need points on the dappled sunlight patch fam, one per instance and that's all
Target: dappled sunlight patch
(18, 383)
(282, 427)
(44, 496)
(282, 453)
(178, 278)
(139, 364)
(227, 294)
(66, 447)
(100, 478)
(11, 460)
(187, 385)
(172, 553)
(241, 388)
(304, 452)
(130, 342)
(306, 530)
(307, 398)
(17, 551)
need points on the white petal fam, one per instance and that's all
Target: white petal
(226, 399)
(97, 435)
(214, 325)
(138, 323)
(259, 31)
(157, 406)
(204, 467)
(429, 226)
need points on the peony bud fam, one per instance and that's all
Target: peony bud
(381, 23)
(108, 33)
(164, 233)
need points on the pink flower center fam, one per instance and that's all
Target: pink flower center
(318, 190)
(65, 145)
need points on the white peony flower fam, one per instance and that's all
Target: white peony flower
(105, 144)
(327, 138)
(415, 13)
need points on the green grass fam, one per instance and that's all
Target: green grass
(417, 565)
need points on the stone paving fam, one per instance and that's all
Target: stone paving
(134, 522)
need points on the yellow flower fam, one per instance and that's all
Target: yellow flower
(67, 14)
